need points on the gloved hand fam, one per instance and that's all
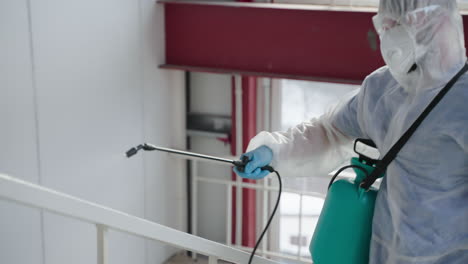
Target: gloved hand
(258, 158)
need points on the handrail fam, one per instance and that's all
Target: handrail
(34, 195)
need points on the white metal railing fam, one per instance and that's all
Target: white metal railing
(261, 186)
(33, 195)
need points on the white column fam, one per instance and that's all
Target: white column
(194, 198)
(265, 215)
(102, 254)
(212, 260)
(238, 101)
(300, 228)
(266, 126)
(229, 214)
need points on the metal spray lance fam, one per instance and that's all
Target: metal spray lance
(239, 164)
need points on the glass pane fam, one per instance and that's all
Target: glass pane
(290, 238)
(311, 208)
(289, 227)
(303, 100)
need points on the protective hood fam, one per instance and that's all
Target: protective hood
(422, 41)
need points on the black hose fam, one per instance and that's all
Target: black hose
(344, 168)
(269, 220)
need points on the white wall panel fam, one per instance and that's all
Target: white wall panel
(88, 75)
(18, 151)
(94, 85)
(20, 227)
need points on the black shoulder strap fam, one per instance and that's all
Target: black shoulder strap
(391, 154)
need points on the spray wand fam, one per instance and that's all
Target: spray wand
(239, 164)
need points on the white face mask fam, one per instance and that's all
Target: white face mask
(438, 52)
(398, 49)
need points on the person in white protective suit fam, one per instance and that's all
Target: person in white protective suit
(421, 212)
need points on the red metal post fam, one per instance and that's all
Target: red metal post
(249, 130)
(233, 152)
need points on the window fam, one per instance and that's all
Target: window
(303, 100)
(299, 101)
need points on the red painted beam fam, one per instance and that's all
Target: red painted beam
(272, 40)
(297, 43)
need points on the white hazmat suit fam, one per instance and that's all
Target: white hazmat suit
(421, 212)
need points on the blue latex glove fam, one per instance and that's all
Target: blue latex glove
(258, 158)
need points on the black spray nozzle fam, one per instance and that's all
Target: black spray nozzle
(135, 150)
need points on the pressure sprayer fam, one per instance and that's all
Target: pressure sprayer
(346, 218)
(240, 164)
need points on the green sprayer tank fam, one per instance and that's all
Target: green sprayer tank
(343, 231)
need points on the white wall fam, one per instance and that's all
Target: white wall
(79, 85)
